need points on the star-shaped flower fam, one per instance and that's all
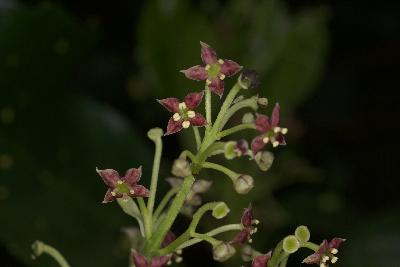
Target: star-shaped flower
(184, 116)
(261, 260)
(142, 261)
(248, 223)
(270, 131)
(122, 187)
(325, 253)
(214, 71)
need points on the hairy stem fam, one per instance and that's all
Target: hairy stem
(310, 245)
(250, 102)
(164, 202)
(197, 137)
(145, 215)
(235, 129)
(130, 207)
(231, 174)
(39, 248)
(208, 107)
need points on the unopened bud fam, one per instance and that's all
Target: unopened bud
(291, 244)
(247, 253)
(181, 168)
(37, 248)
(248, 118)
(223, 251)
(249, 79)
(243, 183)
(264, 160)
(302, 233)
(230, 150)
(263, 101)
(220, 210)
(155, 133)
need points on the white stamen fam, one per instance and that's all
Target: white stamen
(182, 105)
(284, 130)
(221, 61)
(178, 259)
(208, 82)
(222, 76)
(119, 182)
(186, 124)
(322, 265)
(255, 222)
(334, 251)
(132, 191)
(277, 129)
(113, 193)
(250, 240)
(179, 251)
(169, 262)
(191, 114)
(325, 258)
(334, 259)
(207, 67)
(176, 117)
(275, 144)
(265, 140)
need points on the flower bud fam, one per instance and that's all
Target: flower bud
(155, 133)
(262, 101)
(248, 118)
(220, 210)
(264, 160)
(249, 79)
(243, 183)
(291, 244)
(230, 150)
(302, 233)
(181, 168)
(223, 251)
(37, 248)
(247, 253)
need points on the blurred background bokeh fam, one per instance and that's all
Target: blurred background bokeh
(78, 82)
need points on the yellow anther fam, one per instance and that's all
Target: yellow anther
(178, 259)
(207, 67)
(182, 105)
(325, 258)
(176, 117)
(322, 265)
(277, 129)
(255, 222)
(220, 61)
(132, 191)
(208, 82)
(275, 144)
(191, 114)
(265, 140)
(169, 262)
(186, 124)
(222, 76)
(334, 259)
(179, 251)
(119, 182)
(113, 193)
(284, 130)
(250, 240)
(334, 251)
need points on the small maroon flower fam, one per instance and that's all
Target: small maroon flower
(325, 253)
(262, 260)
(142, 261)
(215, 70)
(270, 131)
(184, 116)
(248, 223)
(122, 187)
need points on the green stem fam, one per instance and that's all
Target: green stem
(282, 257)
(145, 215)
(39, 248)
(284, 262)
(164, 202)
(208, 107)
(231, 174)
(310, 245)
(250, 102)
(197, 137)
(130, 207)
(154, 178)
(206, 238)
(216, 231)
(173, 211)
(236, 128)
(273, 262)
(188, 154)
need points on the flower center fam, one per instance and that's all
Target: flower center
(272, 135)
(184, 115)
(121, 188)
(213, 70)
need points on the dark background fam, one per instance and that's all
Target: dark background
(77, 87)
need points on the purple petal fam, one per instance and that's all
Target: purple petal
(242, 146)
(230, 67)
(139, 260)
(108, 197)
(197, 73)
(247, 217)
(324, 247)
(275, 115)
(217, 86)
(160, 261)
(241, 237)
(168, 239)
(336, 242)
(132, 176)
(173, 126)
(257, 144)
(208, 55)
(313, 259)
(110, 177)
(198, 120)
(171, 104)
(140, 191)
(192, 100)
(262, 260)
(262, 123)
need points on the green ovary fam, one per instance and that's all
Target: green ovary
(214, 70)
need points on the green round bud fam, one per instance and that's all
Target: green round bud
(264, 160)
(302, 233)
(155, 133)
(181, 168)
(223, 251)
(37, 248)
(243, 184)
(229, 150)
(291, 244)
(262, 101)
(248, 118)
(220, 210)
